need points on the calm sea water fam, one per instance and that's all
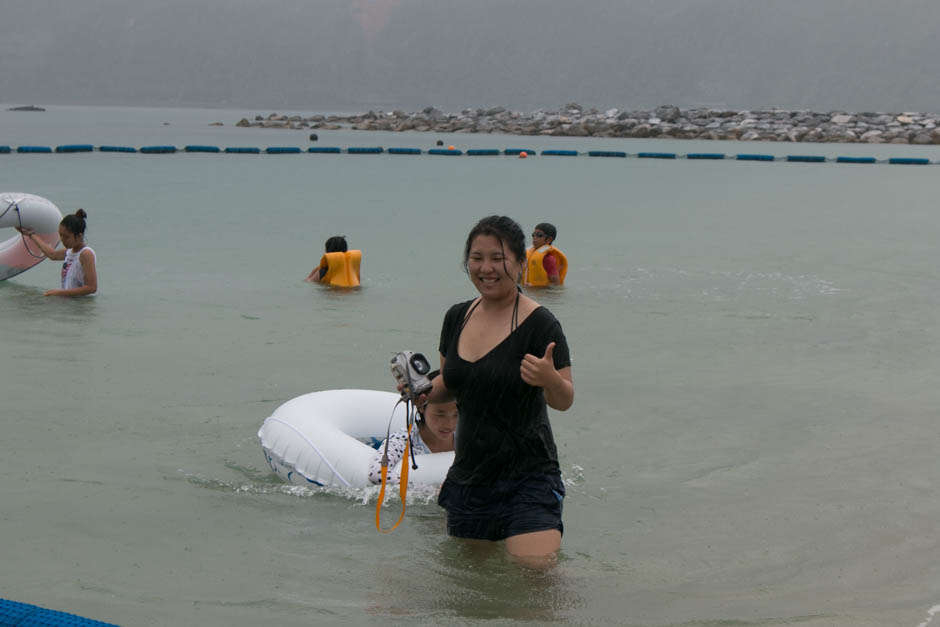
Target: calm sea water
(754, 347)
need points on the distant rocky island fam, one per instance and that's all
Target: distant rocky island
(26, 108)
(666, 121)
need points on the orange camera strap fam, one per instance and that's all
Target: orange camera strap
(402, 485)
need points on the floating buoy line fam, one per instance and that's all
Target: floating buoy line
(452, 151)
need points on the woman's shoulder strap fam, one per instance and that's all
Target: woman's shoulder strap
(459, 310)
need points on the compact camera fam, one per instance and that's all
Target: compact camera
(411, 370)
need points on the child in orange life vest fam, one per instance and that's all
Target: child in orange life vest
(339, 266)
(433, 433)
(554, 264)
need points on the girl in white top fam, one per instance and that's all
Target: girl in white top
(79, 274)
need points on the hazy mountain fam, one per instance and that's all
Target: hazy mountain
(359, 54)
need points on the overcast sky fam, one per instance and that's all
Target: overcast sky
(852, 55)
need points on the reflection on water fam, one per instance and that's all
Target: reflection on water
(482, 582)
(339, 294)
(20, 296)
(40, 327)
(476, 580)
(29, 301)
(547, 296)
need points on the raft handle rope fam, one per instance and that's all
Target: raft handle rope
(10, 206)
(19, 218)
(410, 418)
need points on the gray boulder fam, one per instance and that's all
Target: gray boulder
(667, 113)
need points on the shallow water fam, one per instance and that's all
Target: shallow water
(753, 347)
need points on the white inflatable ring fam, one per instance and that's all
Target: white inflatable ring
(327, 438)
(18, 254)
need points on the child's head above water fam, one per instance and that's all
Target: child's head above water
(336, 244)
(544, 233)
(438, 420)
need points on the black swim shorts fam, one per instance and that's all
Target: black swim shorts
(505, 508)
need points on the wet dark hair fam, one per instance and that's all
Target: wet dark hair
(75, 222)
(336, 244)
(548, 229)
(506, 230)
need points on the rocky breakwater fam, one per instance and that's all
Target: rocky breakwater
(666, 121)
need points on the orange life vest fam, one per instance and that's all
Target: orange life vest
(342, 269)
(535, 274)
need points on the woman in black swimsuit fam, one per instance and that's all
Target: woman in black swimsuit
(504, 358)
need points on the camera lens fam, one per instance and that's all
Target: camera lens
(420, 364)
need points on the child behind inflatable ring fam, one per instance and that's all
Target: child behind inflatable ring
(433, 433)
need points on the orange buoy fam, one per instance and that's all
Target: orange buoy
(523, 154)
(451, 148)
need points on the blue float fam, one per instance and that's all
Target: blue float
(14, 614)
(157, 150)
(75, 148)
(806, 158)
(363, 150)
(908, 161)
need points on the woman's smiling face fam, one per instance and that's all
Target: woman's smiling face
(492, 268)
